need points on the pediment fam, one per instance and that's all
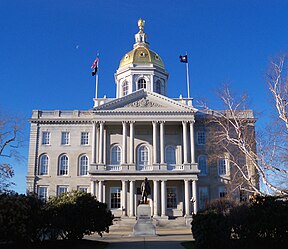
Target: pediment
(143, 100)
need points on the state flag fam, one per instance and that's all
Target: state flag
(183, 58)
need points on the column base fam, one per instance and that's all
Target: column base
(163, 217)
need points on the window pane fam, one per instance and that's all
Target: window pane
(203, 197)
(171, 198)
(83, 166)
(45, 137)
(158, 87)
(143, 155)
(44, 165)
(201, 137)
(62, 189)
(142, 84)
(125, 88)
(170, 155)
(84, 138)
(65, 138)
(63, 169)
(115, 197)
(42, 193)
(202, 164)
(115, 155)
(222, 164)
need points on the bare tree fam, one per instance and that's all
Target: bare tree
(10, 141)
(232, 132)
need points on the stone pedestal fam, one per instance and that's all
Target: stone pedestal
(144, 225)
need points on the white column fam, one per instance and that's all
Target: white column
(92, 188)
(192, 147)
(94, 140)
(124, 142)
(162, 143)
(185, 151)
(155, 197)
(105, 146)
(155, 144)
(101, 136)
(100, 189)
(132, 193)
(187, 198)
(132, 142)
(163, 198)
(124, 198)
(194, 195)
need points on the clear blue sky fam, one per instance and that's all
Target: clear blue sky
(47, 48)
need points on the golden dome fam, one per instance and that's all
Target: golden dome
(141, 55)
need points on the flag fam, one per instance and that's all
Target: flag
(183, 58)
(95, 66)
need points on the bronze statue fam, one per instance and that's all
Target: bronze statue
(145, 190)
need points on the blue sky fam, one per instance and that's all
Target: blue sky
(47, 48)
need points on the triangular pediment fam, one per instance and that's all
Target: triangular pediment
(143, 100)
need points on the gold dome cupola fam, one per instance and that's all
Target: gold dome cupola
(141, 68)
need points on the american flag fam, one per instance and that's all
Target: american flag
(95, 63)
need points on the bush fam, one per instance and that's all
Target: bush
(261, 223)
(76, 214)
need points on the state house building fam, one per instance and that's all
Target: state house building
(109, 150)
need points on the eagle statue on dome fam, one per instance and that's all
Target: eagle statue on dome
(141, 24)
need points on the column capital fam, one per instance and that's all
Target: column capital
(184, 122)
(102, 122)
(155, 122)
(162, 121)
(125, 122)
(131, 122)
(192, 121)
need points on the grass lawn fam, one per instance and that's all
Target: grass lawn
(59, 244)
(188, 244)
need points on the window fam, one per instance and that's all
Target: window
(222, 191)
(202, 165)
(201, 138)
(171, 197)
(142, 84)
(83, 166)
(83, 189)
(222, 166)
(125, 88)
(43, 193)
(61, 190)
(143, 155)
(45, 137)
(44, 165)
(158, 86)
(84, 138)
(115, 197)
(116, 155)
(203, 197)
(63, 167)
(170, 155)
(65, 138)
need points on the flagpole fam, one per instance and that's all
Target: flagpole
(187, 78)
(96, 78)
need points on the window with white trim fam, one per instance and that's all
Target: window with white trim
(61, 190)
(82, 189)
(43, 193)
(63, 165)
(116, 155)
(65, 138)
(222, 166)
(84, 138)
(115, 197)
(44, 165)
(201, 137)
(46, 137)
(141, 83)
(171, 197)
(202, 165)
(83, 165)
(203, 197)
(143, 155)
(125, 88)
(170, 154)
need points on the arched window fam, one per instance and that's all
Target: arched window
(63, 165)
(143, 155)
(44, 165)
(158, 86)
(141, 83)
(202, 165)
(170, 155)
(125, 88)
(83, 165)
(116, 155)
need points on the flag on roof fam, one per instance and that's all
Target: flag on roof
(95, 66)
(183, 58)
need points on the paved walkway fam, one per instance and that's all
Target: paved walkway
(168, 238)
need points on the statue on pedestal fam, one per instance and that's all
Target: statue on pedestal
(145, 190)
